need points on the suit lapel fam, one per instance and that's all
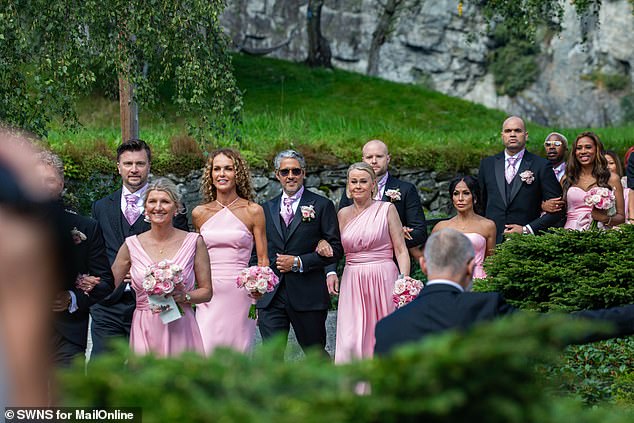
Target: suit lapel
(391, 183)
(115, 215)
(297, 219)
(499, 176)
(274, 210)
(525, 164)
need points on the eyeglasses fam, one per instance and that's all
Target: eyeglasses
(553, 144)
(295, 171)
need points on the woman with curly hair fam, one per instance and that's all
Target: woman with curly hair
(230, 223)
(587, 168)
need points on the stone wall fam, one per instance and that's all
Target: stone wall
(432, 186)
(430, 45)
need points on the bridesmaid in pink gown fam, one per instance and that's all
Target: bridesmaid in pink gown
(587, 168)
(230, 223)
(371, 234)
(615, 166)
(164, 242)
(465, 195)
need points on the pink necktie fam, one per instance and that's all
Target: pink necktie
(380, 186)
(509, 173)
(287, 211)
(132, 212)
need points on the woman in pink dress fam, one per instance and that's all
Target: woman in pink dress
(230, 223)
(465, 194)
(372, 235)
(615, 166)
(587, 168)
(164, 242)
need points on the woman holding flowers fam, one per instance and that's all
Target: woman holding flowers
(592, 194)
(230, 223)
(163, 263)
(372, 235)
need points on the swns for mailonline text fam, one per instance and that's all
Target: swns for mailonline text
(72, 414)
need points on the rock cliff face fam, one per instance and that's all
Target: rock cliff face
(579, 84)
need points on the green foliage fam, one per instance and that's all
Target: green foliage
(624, 387)
(572, 270)
(513, 61)
(485, 375)
(51, 50)
(610, 81)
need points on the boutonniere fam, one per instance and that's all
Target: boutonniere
(393, 194)
(78, 236)
(527, 176)
(308, 213)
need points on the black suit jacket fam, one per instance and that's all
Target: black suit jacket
(107, 212)
(441, 307)
(87, 257)
(629, 171)
(524, 205)
(408, 207)
(306, 290)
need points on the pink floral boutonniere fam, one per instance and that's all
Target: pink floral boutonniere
(393, 194)
(78, 236)
(527, 176)
(308, 213)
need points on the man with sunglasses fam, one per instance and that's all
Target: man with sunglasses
(556, 146)
(295, 222)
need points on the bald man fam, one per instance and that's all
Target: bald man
(515, 182)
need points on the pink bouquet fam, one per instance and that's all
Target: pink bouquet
(161, 279)
(257, 280)
(405, 290)
(600, 198)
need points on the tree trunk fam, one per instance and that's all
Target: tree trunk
(128, 111)
(318, 48)
(379, 36)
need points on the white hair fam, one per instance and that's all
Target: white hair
(447, 250)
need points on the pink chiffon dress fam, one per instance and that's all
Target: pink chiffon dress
(148, 333)
(479, 243)
(367, 283)
(224, 321)
(578, 215)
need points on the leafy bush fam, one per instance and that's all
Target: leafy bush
(485, 375)
(572, 270)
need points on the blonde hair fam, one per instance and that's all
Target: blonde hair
(169, 187)
(364, 167)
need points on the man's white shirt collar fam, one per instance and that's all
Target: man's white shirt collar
(140, 194)
(445, 282)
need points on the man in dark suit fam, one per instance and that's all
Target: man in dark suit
(295, 222)
(120, 215)
(90, 279)
(445, 302)
(515, 182)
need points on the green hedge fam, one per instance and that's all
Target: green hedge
(572, 270)
(487, 374)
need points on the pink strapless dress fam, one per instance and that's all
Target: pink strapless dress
(224, 320)
(578, 215)
(479, 243)
(367, 283)
(148, 333)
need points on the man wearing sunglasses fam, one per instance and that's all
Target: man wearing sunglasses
(556, 146)
(296, 220)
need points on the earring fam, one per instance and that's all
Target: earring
(146, 218)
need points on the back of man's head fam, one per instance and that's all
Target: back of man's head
(447, 252)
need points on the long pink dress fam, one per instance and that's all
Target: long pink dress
(578, 215)
(479, 243)
(224, 321)
(148, 333)
(367, 284)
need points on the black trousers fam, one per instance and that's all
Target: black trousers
(111, 322)
(65, 351)
(309, 326)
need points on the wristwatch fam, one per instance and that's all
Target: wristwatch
(295, 267)
(188, 297)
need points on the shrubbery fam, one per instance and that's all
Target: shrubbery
(487, 374)
(572, 270)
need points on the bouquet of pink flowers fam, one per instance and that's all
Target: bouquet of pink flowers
(600, 198)
(161, 279)
(405, 290)
(257, 280)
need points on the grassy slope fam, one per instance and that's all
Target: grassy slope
(329, 114)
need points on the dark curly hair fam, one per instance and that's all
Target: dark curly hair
(243, 176)
(600, 169)
(474, 187)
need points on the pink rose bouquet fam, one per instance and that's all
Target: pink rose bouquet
(161, 279)
(257, 280)
(405, 290)
(600, 198)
